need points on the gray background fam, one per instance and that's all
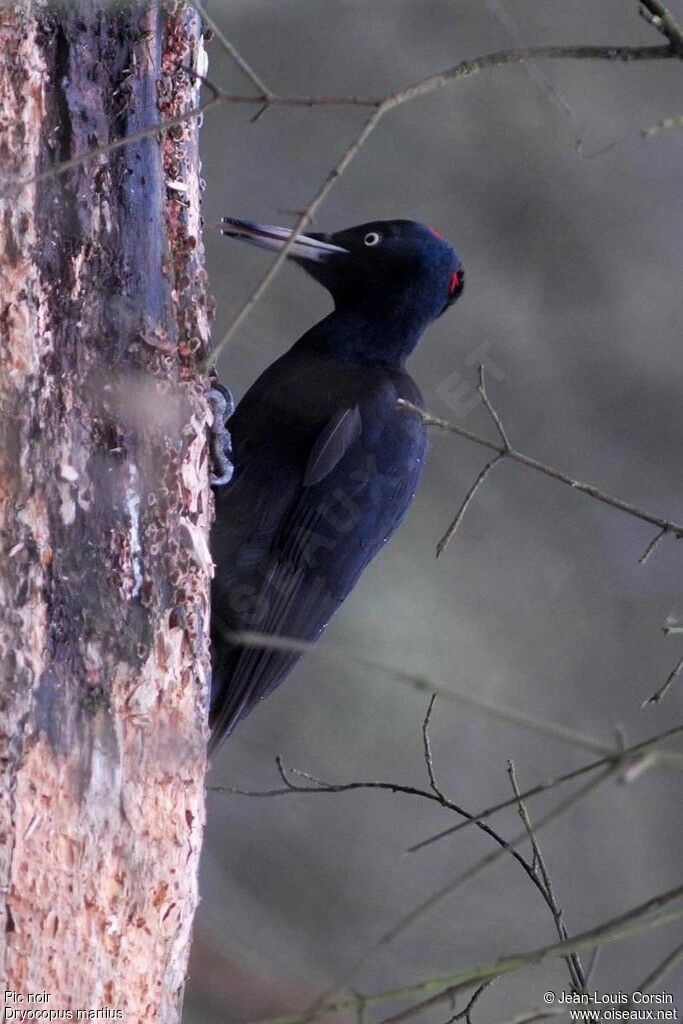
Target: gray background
(573, 284)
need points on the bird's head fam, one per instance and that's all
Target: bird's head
(396, 270)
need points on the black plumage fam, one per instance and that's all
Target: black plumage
(326, 464)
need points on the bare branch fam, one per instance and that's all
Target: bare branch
(635, 921)
(381, 106)
(316, 785)
(576, 973)
(418, 912)
(360, 1008)
(448, 995)
(543, 884)
(455, 523)
(592, 964)
(664, 125)
(301, 222)
(661, 18)
(218, 98)
(422, 684)
(661, 970)
(110, 147)
(500, 58)
(491, 858)
(457, 519)
(319, 785)
(533, 71)
(617, 758)
(665, 687)
(465, 1014)
(428, 751)
(657, 15)
(654, 543)
(667, 525)
(481, 388)
(236, 57)
(425, 87)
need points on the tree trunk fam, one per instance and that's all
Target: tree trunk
(104, 509)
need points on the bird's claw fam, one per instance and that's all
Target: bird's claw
(220, 445)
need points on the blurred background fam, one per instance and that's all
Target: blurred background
(572, 301)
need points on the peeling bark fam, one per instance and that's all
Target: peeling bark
(104, 509)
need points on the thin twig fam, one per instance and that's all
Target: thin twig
(542, 884)
(428, 751)
(635, 921)
(665, 687)
(643, 134)
(360, 1007)
(485, 862)
(616, 759)
(236, 57)
(595, 956)
(79, 159)
(540, 467)
(654, 543)
(501, 58)
(425, 87)
(301, 222)
(465, 1014)
(533, 72)
(434, 794)
(656, 976)
(423, 684)
(666, 124)
(663, 20)
(448, 994)
(481, 388)
(418, 912)
(576, 973)
(457, 519)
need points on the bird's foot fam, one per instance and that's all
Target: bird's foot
(220, 445)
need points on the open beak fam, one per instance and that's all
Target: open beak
(312, 247)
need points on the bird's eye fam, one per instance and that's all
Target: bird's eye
(372, 238)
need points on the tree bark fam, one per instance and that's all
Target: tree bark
(104, 510)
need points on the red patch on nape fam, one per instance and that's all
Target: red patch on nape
(455, 281)
(437, 234)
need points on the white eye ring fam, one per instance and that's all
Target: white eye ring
(372, 238)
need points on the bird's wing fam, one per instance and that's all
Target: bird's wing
(291, 602)
(346, 505)
(341, 431)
